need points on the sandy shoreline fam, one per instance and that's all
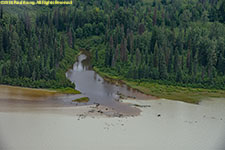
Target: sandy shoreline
(162, 124)
(27, 88)
(81, 111)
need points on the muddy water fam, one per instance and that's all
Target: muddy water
(99, 90)
(25, 99)
(181, 126)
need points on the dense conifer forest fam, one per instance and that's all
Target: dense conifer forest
(175, 42)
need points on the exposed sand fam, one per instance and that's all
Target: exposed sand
(162, 125)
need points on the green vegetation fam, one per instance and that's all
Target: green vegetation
(186, 94)
(31, 54)
(190, 95)
(81, 100)
(154, 44)
(179, 43)
(68, 90)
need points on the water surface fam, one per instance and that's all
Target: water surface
(100, 90)
(181, 126)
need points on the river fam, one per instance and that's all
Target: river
(99, 90)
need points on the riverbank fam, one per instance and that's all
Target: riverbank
(185, 94)
(81, 129)
(44, 91)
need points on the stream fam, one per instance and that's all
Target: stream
(99, 90)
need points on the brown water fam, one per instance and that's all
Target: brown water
(26, 99)
(182, 126)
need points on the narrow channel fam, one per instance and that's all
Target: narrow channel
(99, 90)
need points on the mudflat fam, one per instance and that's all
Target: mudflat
(22, 93)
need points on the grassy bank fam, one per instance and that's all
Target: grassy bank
(40, 91)
(67, 90)
(186, 94)
(81, 100)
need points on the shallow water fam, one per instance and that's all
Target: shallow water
(99, 90)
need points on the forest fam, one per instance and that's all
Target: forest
(172, 42)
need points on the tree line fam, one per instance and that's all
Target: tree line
(30, 54)
(167, 41)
